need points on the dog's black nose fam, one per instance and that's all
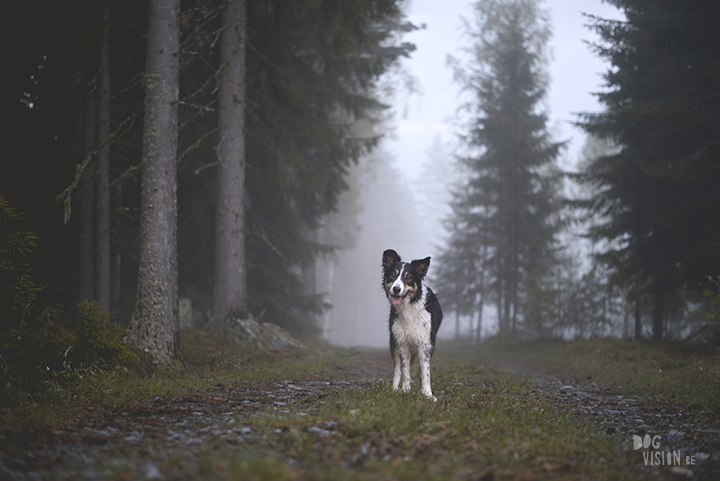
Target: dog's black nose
(396, 289)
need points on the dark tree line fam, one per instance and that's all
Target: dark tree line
(268, 98)
(653, 194)
(658, 192)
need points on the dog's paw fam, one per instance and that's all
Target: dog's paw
(430, 396)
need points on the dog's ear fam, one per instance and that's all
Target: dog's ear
(390, 257)
(421, 266)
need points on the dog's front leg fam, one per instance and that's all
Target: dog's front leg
(398, 372)
(405, 368)
(425, 387)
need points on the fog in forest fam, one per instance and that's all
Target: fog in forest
(608, 230)
(394, 214)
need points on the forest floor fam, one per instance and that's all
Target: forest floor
(539, 410)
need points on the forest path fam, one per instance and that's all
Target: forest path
(682, 430)
(169, 437)
(132, 441)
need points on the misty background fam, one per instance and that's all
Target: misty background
(556, 159)
(403, 190)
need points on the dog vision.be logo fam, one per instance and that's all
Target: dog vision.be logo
(655, 457)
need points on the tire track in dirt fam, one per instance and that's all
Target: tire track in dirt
(142, 438)
(686, 431)
(136, 439)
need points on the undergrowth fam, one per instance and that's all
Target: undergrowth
(42, 360)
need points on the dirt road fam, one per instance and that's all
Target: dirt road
(168, 437)
(684, 430)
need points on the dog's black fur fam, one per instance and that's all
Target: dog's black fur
(415, 317)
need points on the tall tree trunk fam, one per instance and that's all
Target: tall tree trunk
(327, 315)
(153, 328)
(116, 249)
(102, 177)
(658, 311)
(87, 200)
(230, 287)
(626, 324)
(638, 315)
(502, 327)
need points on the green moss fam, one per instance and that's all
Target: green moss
(99, 342)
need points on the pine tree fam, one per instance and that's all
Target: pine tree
(511, 184)
(659, 191)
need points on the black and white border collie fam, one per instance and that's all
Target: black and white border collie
(415, 317)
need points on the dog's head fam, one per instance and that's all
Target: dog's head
(403, 280)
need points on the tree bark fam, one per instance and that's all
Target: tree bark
(116, 250)
(87, 201)
(154, 326)
(658, 311)
(230, 287)
(102, 176)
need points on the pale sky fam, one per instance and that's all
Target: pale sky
(574, 70)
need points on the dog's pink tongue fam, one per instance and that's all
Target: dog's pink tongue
(396, 299)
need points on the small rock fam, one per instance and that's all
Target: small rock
(134, 437)
(150, 471)
(319, 431)
(275, 337)
(566, 389)
(680, 471)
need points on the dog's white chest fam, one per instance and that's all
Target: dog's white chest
(412, 326)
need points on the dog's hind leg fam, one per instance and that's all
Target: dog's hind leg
(425, 387)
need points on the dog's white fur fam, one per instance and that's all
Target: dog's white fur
(415, 317)
(412, 332)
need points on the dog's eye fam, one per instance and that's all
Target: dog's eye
(395, 273)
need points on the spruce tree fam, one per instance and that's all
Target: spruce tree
(659, 191)
(505, 214)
